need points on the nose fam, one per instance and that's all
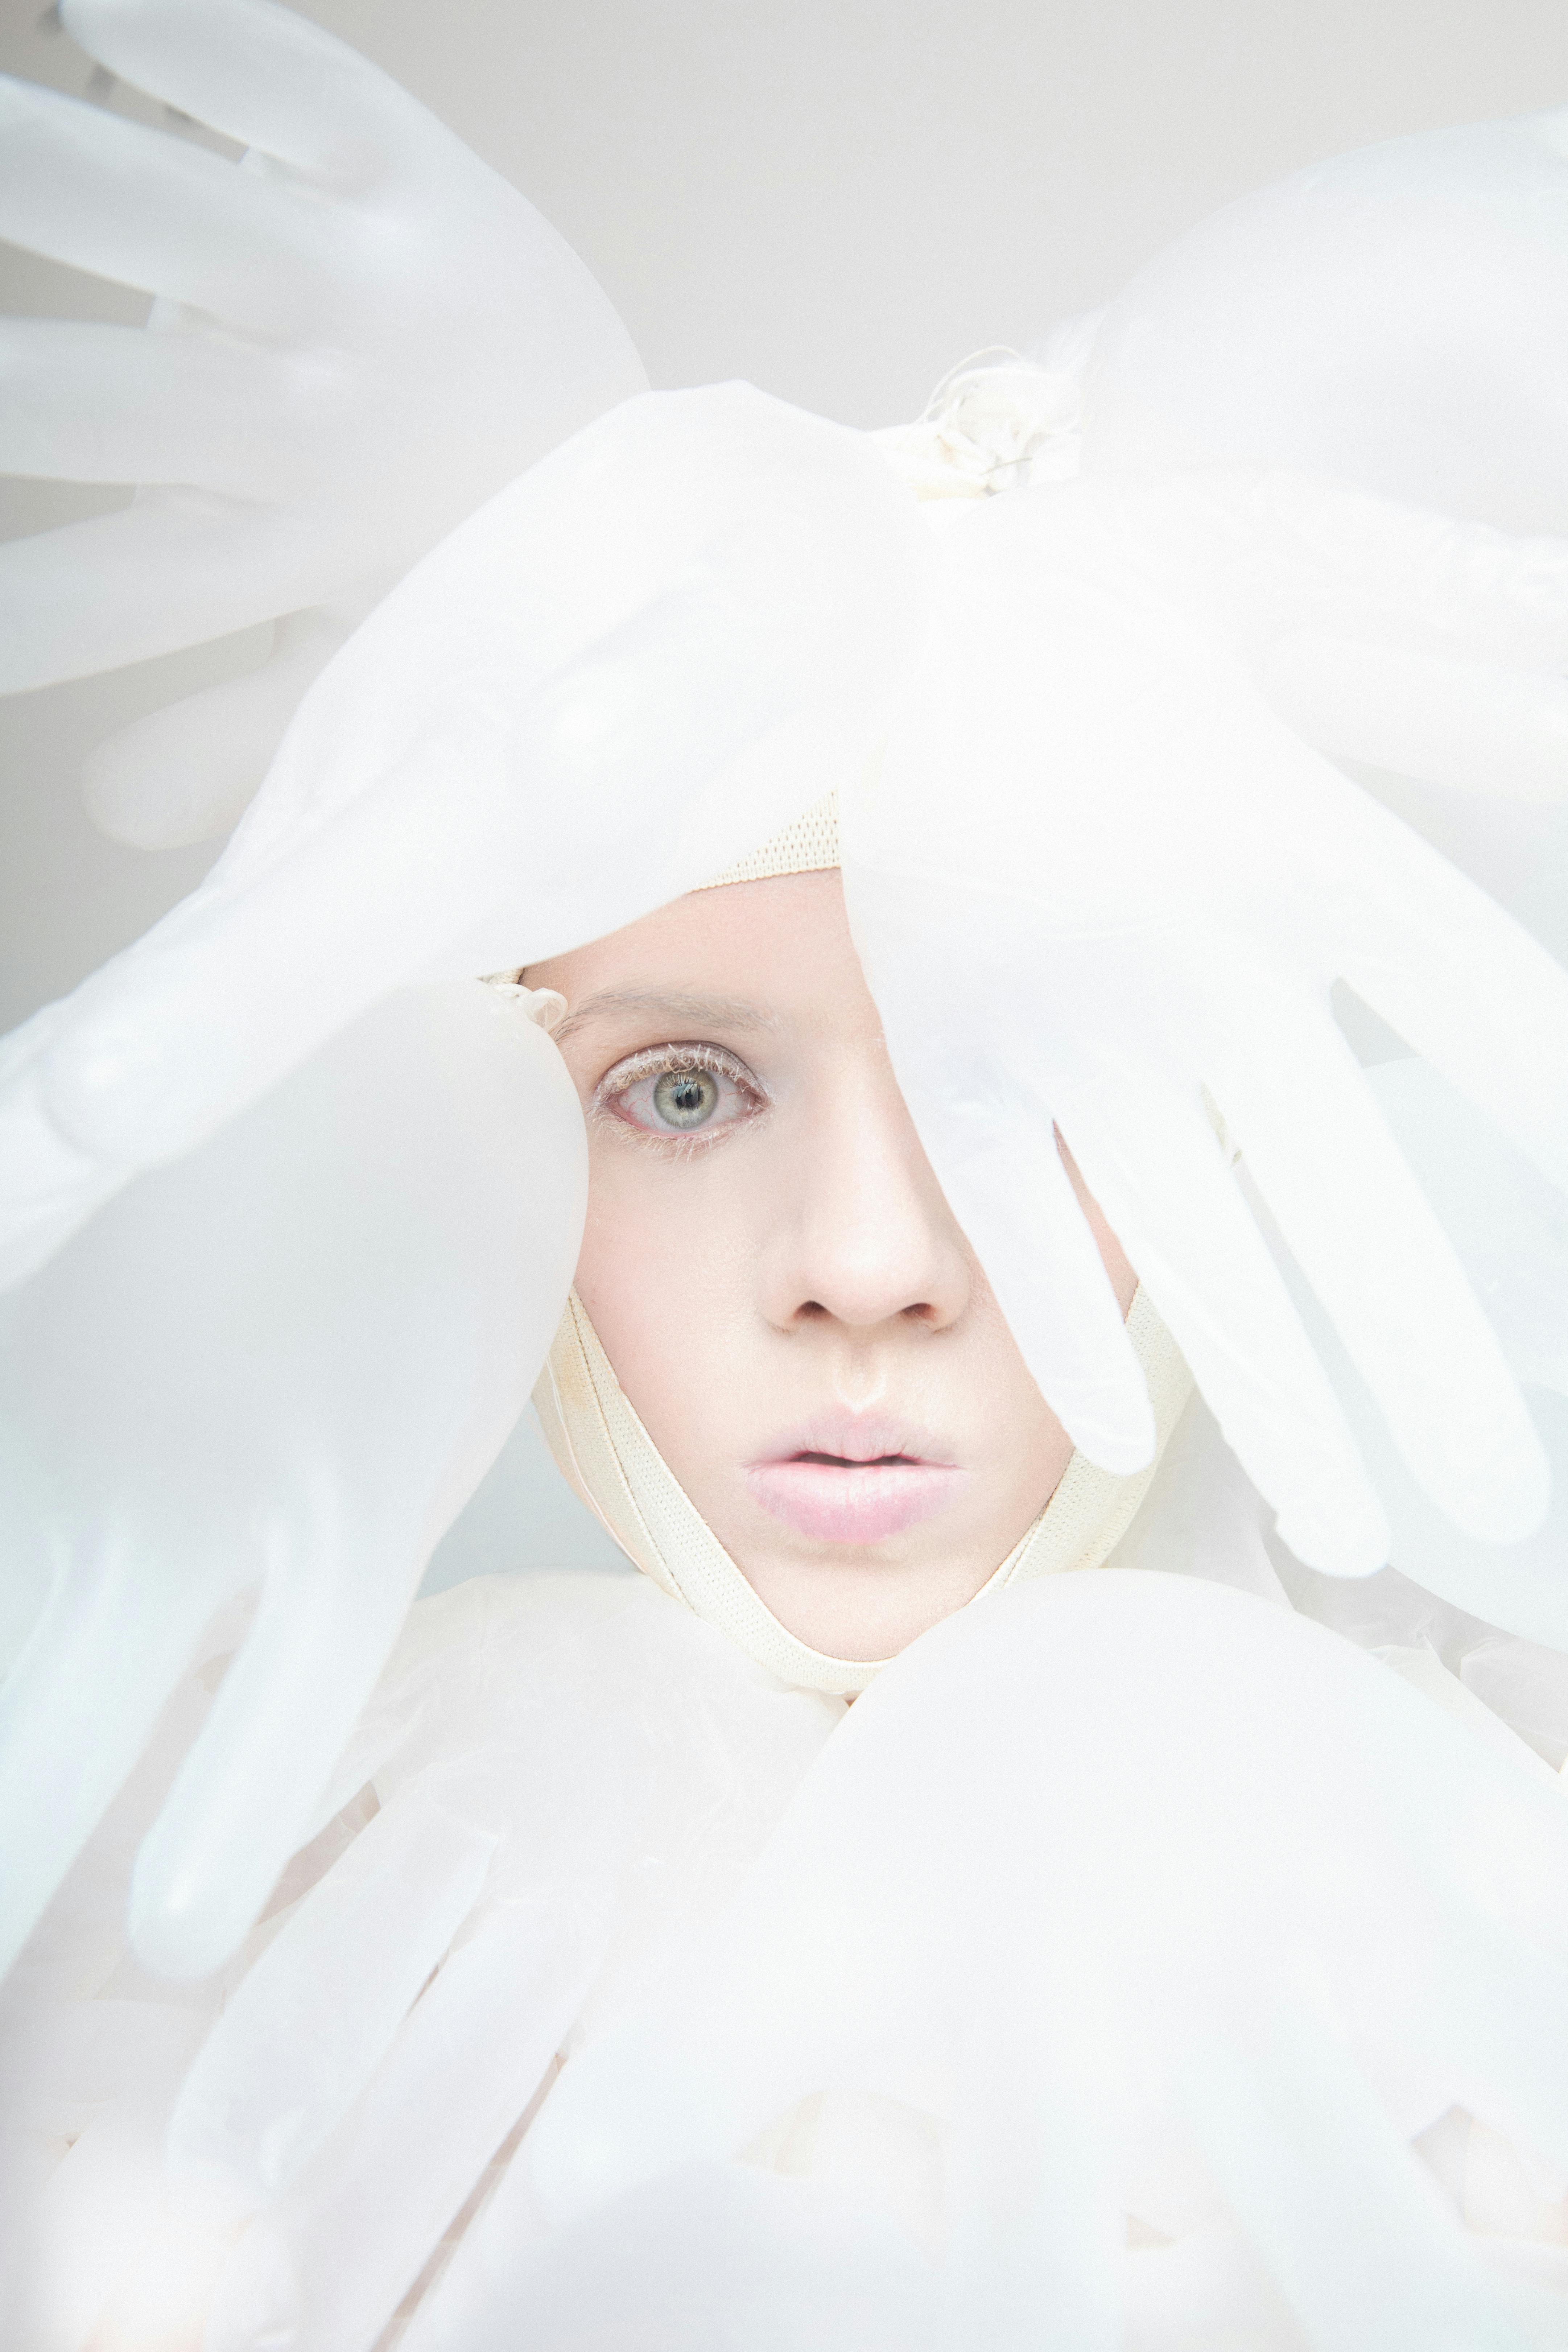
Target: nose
(865, 1237)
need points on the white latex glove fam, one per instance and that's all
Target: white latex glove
(282, 1365)
(1396, 317)
(358, 333)
(1509, 1228)
(597, 691)
(1129, 1880)
(566, 1766)
(1099, 880)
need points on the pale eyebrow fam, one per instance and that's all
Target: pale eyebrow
(675, 1009)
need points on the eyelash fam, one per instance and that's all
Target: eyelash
(652, 1064)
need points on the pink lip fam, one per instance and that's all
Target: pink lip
(849, 1481)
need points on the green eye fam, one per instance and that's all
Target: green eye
(663, 1094)
(686, 1099)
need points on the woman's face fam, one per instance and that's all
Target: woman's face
(776, 1275)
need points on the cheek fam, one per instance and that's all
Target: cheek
(664, 1274)
(1027, 1443)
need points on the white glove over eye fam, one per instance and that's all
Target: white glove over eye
(282, 1365)
(604, 685)
(1099, 881)
(1116, 1867)
(360, 332)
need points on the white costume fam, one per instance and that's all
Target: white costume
(1137, 1964)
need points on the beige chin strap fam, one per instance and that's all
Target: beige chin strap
(604, 1451)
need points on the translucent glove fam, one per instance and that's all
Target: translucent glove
(597, 691)
(1396, 318)
(1509, 1231)
(360, 332)
(565, 1766)
(1162, 1901)
(1128, 920)
(280, 1366)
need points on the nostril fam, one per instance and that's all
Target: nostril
(812, 1311)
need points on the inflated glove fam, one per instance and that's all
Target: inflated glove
(1099, 881)
(610, 679)
(1512, 180)
(568, 1768)
(1160, 1901)
(278, 1367)
(601, 688)
(1396, 320)
(1509, 1228)
(1396, 317)
(358, 333)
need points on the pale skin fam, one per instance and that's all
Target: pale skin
(770, 1263)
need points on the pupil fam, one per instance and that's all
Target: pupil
(685, 1097)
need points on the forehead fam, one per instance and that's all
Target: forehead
(750, 955)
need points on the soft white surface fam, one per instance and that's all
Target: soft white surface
(1334, 1935)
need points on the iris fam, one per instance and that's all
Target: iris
(687, 1098)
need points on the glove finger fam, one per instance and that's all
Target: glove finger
(77, 1712)
(87, 2228)
(990, 1141)
(1517, 1586)
(188, 772)
(1474, 726)
(168, 572)
(1151, 1156)
(263, 76)
(371, 1411)
(305, 2029)
(81, 186)
(1350, 2226)
(1006, 1186)
(1361, 1229)
(82, 401)
(341, 2249)
(247, 1793)
(1465, 986)
(352, 1420)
